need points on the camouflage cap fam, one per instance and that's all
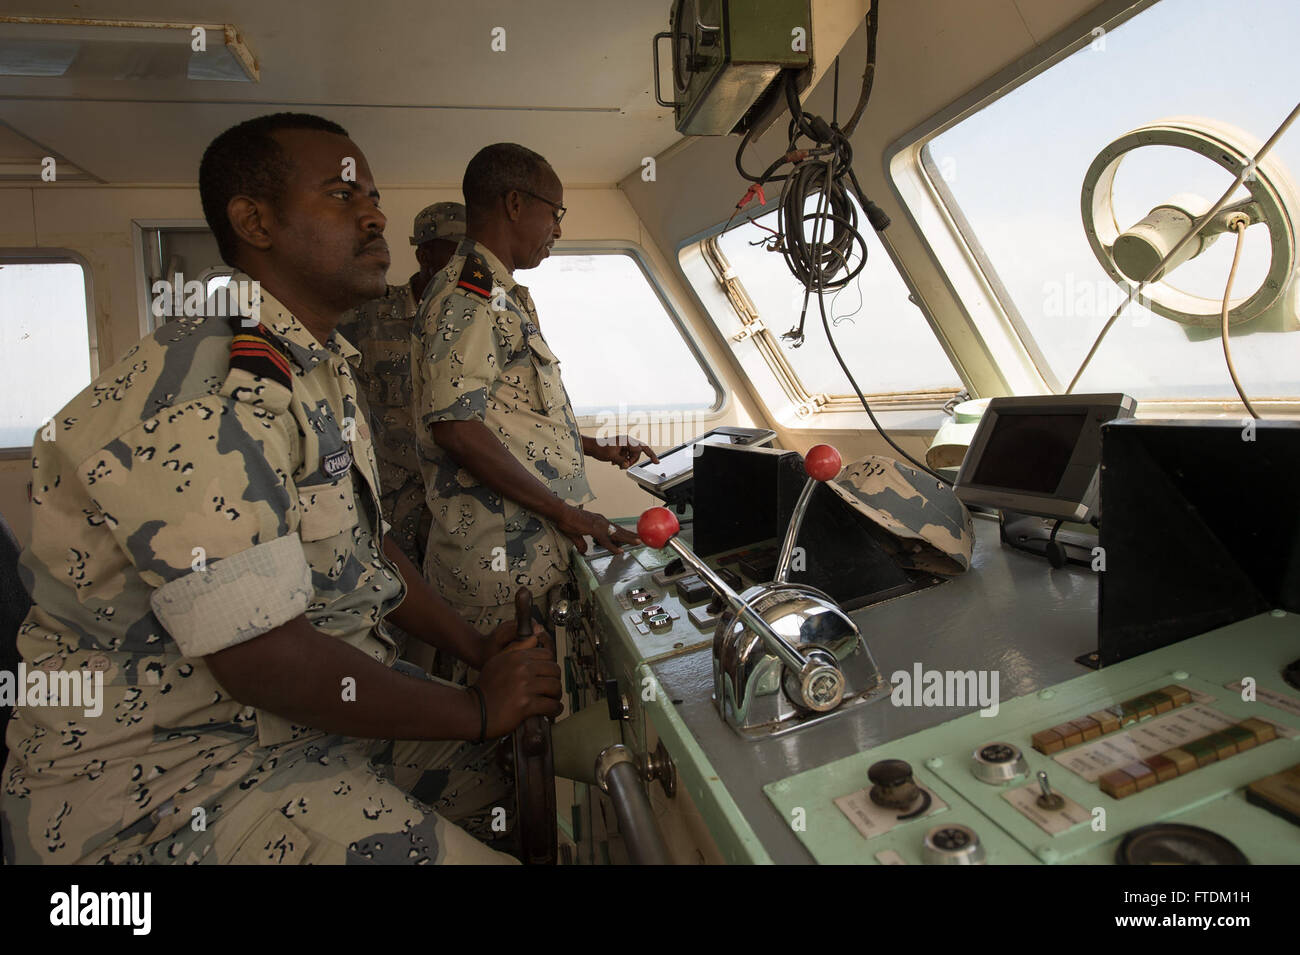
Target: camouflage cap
(442, 220)
(933, 530)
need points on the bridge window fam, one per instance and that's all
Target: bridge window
(884, 338)
(47, 341)
(1009, 167)
(621, 348)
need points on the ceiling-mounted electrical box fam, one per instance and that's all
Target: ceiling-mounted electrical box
(726, 55)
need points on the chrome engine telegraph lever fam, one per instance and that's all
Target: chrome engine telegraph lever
(814, 680)
(822, 463)
(658, 527)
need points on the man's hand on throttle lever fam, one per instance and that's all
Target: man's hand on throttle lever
(520, 681)
(576, 523)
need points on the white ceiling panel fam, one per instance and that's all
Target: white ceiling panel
(417, 83)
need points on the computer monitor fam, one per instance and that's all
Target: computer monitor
(1040, 455)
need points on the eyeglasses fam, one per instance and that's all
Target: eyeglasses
(559, 210)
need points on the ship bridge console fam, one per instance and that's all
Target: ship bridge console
(1019, 712)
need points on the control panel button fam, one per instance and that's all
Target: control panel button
(693, 589)
(952, 844)
(998, 763)
(892, 784)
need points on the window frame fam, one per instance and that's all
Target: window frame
(722, 397)
(148, 324)
(55, 256)
(208, 275)
(954, 251)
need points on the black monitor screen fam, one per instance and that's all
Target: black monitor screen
(1029, 452)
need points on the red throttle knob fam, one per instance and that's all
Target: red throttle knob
(822, 463)
(656, 526)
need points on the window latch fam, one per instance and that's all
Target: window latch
(811, 406)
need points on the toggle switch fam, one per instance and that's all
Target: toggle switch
(1047, 799)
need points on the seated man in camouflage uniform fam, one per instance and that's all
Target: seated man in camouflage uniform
(381, 331)
(206, 533)
(499, 444)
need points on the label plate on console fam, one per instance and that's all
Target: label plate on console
(872, 820)
(1025, 800)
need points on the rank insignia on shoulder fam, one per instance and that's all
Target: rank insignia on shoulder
(255, 351)
(475, 277)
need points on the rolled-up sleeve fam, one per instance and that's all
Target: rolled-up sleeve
(201, 501)
(236, 599)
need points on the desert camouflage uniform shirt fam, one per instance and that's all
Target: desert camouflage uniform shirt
(478, 355)
(381, 330)
(214, 484)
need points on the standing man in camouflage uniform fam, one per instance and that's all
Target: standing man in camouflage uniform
(499, 444)
(381, 331)
(206, 534)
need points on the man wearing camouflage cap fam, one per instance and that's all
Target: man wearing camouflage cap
(381, 330)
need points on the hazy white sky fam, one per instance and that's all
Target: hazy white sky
(613, 336)
(42, 345)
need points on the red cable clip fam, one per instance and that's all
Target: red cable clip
(755, 190)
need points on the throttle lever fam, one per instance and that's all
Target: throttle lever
(532, 730)
(819, 681)
(523, 613)
(534, 767)
(822, 463)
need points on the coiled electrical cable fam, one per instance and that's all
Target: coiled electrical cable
(822, 175)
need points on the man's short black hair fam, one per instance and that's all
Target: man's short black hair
(497, 169)
(246, 160)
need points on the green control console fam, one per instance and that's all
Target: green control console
(1150, 746)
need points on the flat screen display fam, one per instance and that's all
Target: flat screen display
(1029, 452)
(676, 467)
(683, 459)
